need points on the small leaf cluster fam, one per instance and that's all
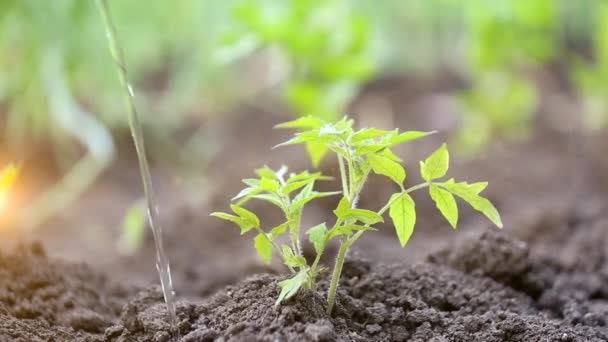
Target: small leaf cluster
(360, 153)
(290, 193)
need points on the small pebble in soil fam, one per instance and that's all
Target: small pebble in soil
(321, 331)
(113, 332)
(373, 328)
(201, 335)
(162, 336)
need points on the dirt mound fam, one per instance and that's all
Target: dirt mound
(46, 300)
(488, 289)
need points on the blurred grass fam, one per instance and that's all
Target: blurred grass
(193, 61)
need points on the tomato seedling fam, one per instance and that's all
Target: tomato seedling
(359, 153)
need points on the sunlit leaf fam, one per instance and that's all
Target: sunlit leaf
(436, 165)
(305, 122)
(387, 167)
(317, 235)
(403, 213)
(290, 287)
(470, 194)
(409, 136)
(279, 230)
(445, 203)
(263, 246)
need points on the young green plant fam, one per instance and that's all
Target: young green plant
(359, 153)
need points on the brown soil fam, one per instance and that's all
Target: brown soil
(488, 288)
(545, 279)
(47, 300)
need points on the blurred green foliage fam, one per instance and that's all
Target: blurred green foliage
(507, 39)
(324, 46)
(55, 71)
(591, 78)
(168, 45)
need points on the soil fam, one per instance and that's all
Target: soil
(544, 278)
(489, 287)
(47, 300)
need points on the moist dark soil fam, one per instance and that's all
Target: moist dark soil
(47, 300)
(488, 288)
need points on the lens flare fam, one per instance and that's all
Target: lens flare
(7, 179)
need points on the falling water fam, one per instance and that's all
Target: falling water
(162, 261)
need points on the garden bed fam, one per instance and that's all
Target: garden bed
(544, 278)
(489, 287)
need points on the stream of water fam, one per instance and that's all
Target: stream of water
(162, 261)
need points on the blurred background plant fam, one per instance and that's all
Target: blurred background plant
(506, 41)
(320, 50)
(591, 76)
(196, 63)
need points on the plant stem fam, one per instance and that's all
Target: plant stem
(295, 235)
(335, 277)
(343, 176)
(345, 245)
(406, 191)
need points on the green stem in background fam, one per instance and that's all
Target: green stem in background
(162, 261)
(345, 245)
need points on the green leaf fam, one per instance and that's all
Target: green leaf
(390, 155)
(239, 221)
(316, 151)
(290, 287)
(245, 193)
(267, 173)
(279, 230)
(264, 247)
(369, 133)
(342, 208)
(403, 213)
(345, 212)
(246, 215)
(252, 182)
(387, 167)
(307, 194)
(305, 122)
(245, 219)
(470, 194)
(409, 136)
(366, 216)
(291, 187)
(436, 165)
(445, 203)
(291, 259)
(347, 230)
(272, 198)
(370, 148)
(269, 185)
(305, 175)
(317, 235)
